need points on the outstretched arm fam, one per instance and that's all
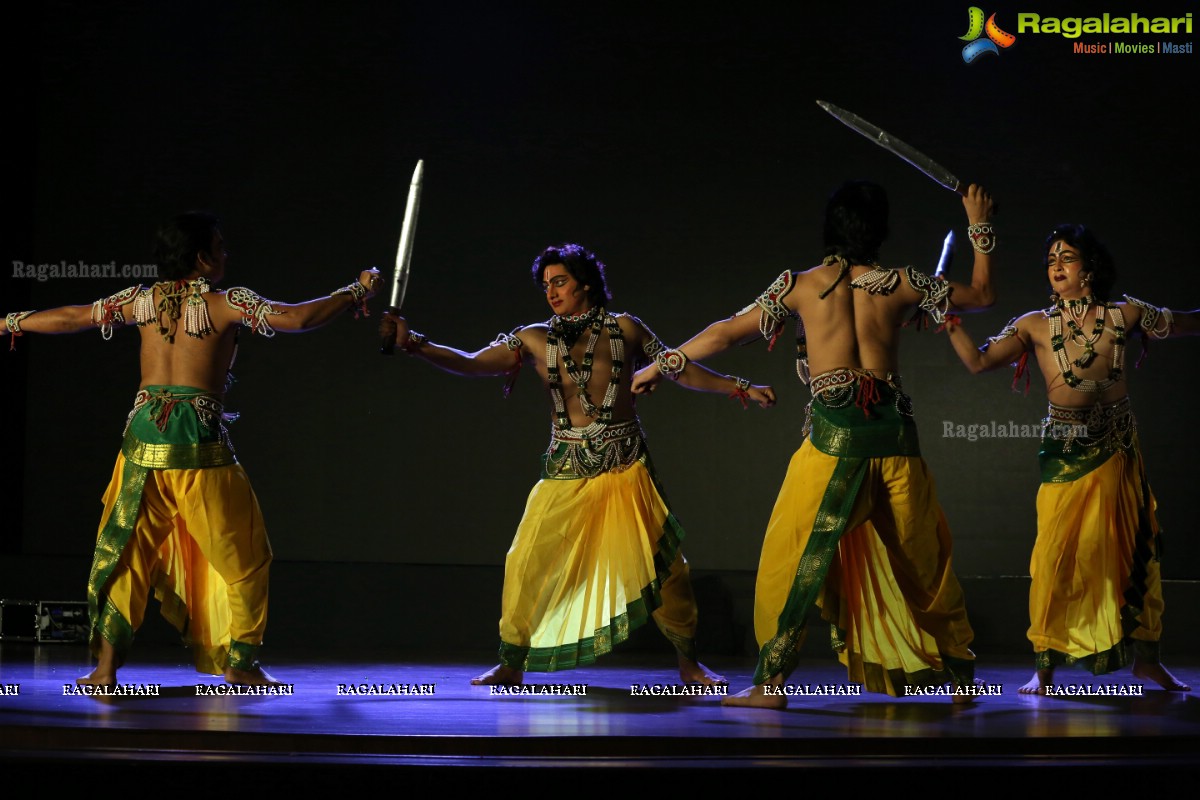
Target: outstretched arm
(716, 338)
(496, 359)
(65, 319)
(309, 315)
(722, 335)
(1002, 350)
(1186, 323)
(702, 379)
(978, 294)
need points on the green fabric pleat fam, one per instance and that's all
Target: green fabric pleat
(109, 545)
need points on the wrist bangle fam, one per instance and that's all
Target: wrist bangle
(13, 323)
(740, 391)
(358, 298)
(414, 342)
(983, 237)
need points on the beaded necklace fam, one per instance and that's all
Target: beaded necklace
(1076, 313)
(558, 349)
(1077, 308)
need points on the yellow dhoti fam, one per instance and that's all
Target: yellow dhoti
(1095, 585)
(593, 558)
(857, 530)
(181, 517)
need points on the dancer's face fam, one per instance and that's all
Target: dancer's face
(564, 294)
(1064, 268)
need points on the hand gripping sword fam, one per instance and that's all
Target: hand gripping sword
(404, 251)
(894, 145)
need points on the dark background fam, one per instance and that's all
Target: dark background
(682, 144)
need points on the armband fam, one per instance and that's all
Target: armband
(254, 309)
(107, 314)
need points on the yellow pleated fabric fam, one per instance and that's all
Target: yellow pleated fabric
(582, 571)
(890, 590)
(201, 543)
(1086, 568)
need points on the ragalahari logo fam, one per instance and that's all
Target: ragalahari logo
(976, 27)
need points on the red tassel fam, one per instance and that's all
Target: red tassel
(741, 395)
(1022, 365)
(868, 395)
(774, 338)
(949, 323)
(165, 413)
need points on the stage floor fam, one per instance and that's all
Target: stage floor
(384, 711)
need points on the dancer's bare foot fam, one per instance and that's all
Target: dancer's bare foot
(967, 697)
(256, 676)
(692, 672)
(756, 696)
(500, 675)
(98, 677)
(105, 673)
(1038, 683)
(1155, 671)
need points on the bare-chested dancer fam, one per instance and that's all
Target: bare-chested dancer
(179, 511)
(857, 528)
(598, 549)
(1096, 596)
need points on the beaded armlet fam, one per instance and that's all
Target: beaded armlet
(1021, 365)
(107, 314)
(935, 294)
(514, 345)
(1156, 322)
(253, 308)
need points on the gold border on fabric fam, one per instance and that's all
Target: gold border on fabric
(177, 456)
(110, 543)
(780, 654)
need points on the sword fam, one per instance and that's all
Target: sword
(408, 231)
(894, 145)
(946, 257)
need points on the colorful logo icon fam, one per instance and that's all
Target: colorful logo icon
(976, 27)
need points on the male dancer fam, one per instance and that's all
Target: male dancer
(179, 514)
(598, 549)
(1096, 597)
(857, 528)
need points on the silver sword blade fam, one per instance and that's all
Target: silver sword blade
(892, 144)
(407, 233)
(947, 256)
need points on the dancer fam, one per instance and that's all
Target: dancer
(598, 548)
(180, 516)
(857, 528)
(1096, 597)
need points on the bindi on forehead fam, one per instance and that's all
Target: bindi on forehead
(1058, 247)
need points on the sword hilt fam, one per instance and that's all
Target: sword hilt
(387, 344)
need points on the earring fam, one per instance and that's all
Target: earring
(1084, 280)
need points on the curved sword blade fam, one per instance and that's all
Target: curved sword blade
(894, 145)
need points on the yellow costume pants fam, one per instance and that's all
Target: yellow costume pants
(592, 559)
(1095, 568)
(896, 608)
(199, 540)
